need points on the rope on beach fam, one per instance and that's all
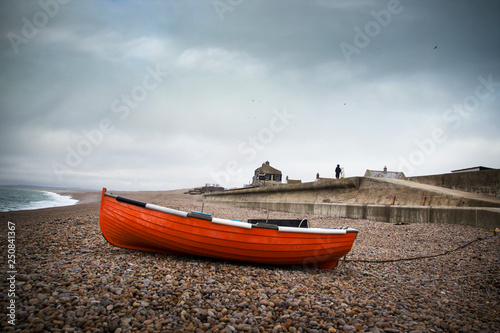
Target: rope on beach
(422, 257)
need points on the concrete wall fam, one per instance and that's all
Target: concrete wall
(488, 218)
(484, 182)
(357, 190)
(374, 199)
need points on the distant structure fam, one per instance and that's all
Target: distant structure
(208, 188)
(293, 181)
(318, 178)
(478, 168)
(384, 174)
(266, 175)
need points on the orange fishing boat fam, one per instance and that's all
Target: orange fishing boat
(142, 226)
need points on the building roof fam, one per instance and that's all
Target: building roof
(267, 169)
(478, 168)
(384, 174)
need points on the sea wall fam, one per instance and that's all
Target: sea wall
(358, 190)
(487, 218)
(371, 198)
(484, 182)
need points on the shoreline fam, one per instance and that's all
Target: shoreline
(83, 197)
(70, 279)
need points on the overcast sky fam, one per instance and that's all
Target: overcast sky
(157, 95)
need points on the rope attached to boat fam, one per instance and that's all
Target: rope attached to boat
(421, 257)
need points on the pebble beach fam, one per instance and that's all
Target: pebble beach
(397, 278)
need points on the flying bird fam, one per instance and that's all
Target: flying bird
(435, 47)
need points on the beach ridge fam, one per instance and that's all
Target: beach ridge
(69, 278)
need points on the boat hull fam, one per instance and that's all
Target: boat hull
(136, 227)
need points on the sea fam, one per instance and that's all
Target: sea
(20, 199)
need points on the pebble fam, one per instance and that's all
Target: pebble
(79, 282)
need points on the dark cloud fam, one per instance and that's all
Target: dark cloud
(175, 94)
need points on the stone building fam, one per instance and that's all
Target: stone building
(293, 181)
(384, 174)
(208, 188)
(266, 175)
